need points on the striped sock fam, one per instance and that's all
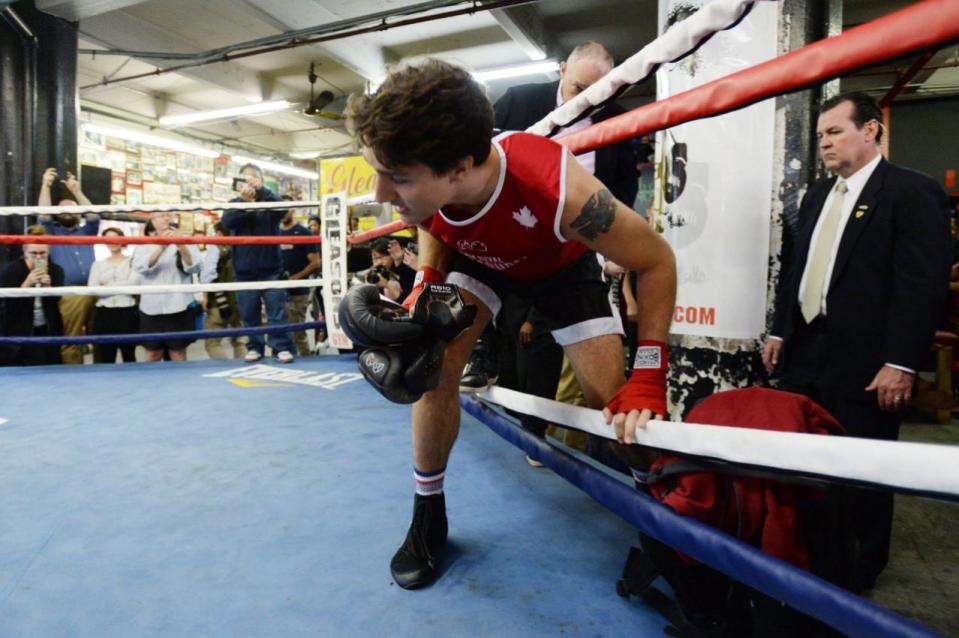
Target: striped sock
(429, 483)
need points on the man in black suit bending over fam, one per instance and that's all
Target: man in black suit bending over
(524, 105)
(859, 301)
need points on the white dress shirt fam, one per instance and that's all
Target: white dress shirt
(586, 160)
(165, 272)
(855, 183)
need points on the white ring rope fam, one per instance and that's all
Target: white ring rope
(155, 208)
(108, 291)
(918, 467)
(680, 39)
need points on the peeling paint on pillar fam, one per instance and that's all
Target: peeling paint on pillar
(702, 366)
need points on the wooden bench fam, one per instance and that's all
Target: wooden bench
(937, 396)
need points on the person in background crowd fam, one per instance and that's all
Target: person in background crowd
(383, 273)
(161, 265)
(76, 260)
(259, 263)
(300, 261)
(314, 224)
(221, 307)
(32, 316)
(116, 314)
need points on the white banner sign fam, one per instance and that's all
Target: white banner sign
(334, 225)
(718, 184)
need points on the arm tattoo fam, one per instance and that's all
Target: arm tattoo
(596, 216)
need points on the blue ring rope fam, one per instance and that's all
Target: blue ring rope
(161, 336)
(799, 589)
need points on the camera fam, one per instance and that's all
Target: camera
(239, 183)
(374, 274)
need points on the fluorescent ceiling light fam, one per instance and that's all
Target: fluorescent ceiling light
(305, 155)
(151, 140)
(276, 168)
(237, 111)
(548, 66)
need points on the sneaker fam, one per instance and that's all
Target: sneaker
(284, 356)
(533, 462)
(478, 374)
(252, 356)
(415, 562)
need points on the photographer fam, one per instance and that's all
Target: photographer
(392, 276)
(32, 316)
(76, 261)
(300, 261)
(259, 263)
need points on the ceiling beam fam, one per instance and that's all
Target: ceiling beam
(524, 25)
(73, 10)
(123, 31)
(367, 59)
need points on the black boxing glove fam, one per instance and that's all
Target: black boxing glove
(404, 353)
(369, 319)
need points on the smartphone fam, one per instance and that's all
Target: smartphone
(239, 183)
(40, 263)
(413, 248)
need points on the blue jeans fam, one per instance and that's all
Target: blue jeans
(251, 315)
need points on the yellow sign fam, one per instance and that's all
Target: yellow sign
(350, 174)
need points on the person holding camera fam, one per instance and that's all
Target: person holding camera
(32, 316)
(259, 263)
(161, 265)
(76, 261)
(387, 273)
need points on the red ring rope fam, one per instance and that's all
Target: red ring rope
(921, 26)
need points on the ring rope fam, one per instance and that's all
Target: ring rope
(162, 336)
(925, 25)
(933, 469)
(676, 43)
(108, 291)
(231, 240)
(155, 208)
(799, 589)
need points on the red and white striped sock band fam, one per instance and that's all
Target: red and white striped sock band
(429, 483)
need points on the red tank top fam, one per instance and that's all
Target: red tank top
(517, 231)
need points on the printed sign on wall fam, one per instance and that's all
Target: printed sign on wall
(717, 184)
(334, 226)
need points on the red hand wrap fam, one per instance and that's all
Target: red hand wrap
(424, 275)
(646, 388)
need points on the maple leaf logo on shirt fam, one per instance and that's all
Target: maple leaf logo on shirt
(525, 217)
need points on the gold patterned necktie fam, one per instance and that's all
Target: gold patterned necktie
(820, 254)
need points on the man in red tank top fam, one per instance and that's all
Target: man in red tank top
(513, 215)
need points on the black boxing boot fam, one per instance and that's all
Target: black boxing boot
(414, 564)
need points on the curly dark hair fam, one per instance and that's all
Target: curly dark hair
(432, 113)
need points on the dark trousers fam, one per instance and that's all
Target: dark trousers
(33, 355)
(538, 368)
(115, 321)
(871, 510)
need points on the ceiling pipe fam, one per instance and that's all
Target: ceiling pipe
(291, 40)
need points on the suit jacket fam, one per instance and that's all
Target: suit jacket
(16, 318)
(889, 284)
(524, 105)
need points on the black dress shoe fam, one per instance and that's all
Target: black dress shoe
(415, 563)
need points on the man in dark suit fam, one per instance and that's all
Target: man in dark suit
(860, 300)
(32, 316)
(524, 105)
